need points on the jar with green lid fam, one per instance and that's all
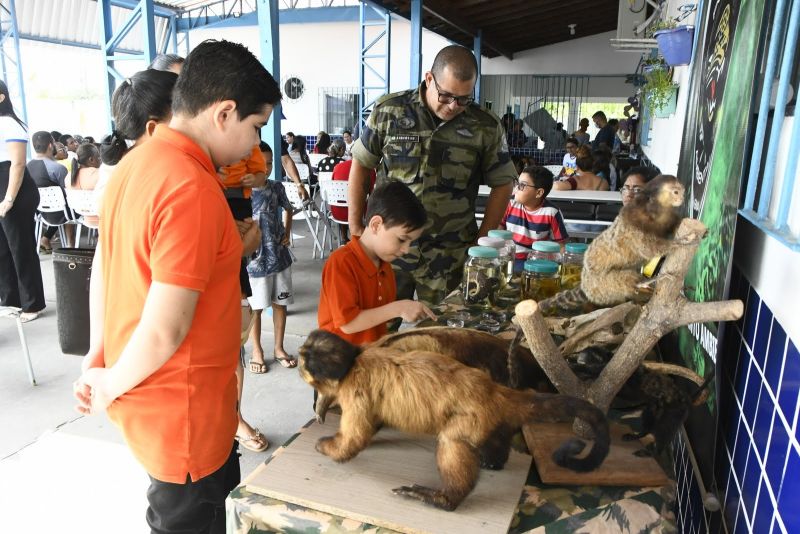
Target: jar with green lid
(503, 255)
(540, 280)
(482, 275)
(546, 250)
(511, 247)
(572, 264)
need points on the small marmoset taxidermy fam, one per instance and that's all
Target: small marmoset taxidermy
(667, 407)
(429, 393)
(642, 231)
(511, 365)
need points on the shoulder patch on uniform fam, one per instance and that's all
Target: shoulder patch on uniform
(406, 123)
(463, 132)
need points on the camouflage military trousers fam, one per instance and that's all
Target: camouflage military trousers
(431, 270)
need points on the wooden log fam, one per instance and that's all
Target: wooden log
(541, 344)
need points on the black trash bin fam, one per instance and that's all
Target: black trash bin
(73, 268)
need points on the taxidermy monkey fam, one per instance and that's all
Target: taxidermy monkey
(506, 364)
(642, 231)
(667, 407)
(428, 393)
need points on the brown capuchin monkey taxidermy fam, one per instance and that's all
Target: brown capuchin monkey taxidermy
(429, 393)
(507, 364)
(642, 231)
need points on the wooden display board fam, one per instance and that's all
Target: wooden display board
(361, 488)
(620, 468)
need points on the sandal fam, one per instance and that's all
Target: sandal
(289, 362)
(255, 443)
(257, 368)
(26, 317)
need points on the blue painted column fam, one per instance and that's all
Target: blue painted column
(270, 57)
(416, 43)
(106, 35)
(149, 28)
(20, 80)
(476, 49)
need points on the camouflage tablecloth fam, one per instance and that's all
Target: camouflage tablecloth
(542, 509)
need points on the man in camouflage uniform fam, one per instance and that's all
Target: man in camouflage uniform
(443, 146)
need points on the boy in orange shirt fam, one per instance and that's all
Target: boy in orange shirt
(358, 292)
(165, 291)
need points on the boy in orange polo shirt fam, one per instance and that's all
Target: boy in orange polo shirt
(358, 292)
(165, 305)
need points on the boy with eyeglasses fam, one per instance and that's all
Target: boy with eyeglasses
(529, 216)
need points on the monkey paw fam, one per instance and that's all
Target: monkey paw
(324, 445)
(320, 417)
(427, 495)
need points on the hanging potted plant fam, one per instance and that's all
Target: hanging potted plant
(674, 42)
(660, 94)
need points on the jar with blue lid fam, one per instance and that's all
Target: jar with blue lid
(511, 248)
(503, 254)
(546, 250)
(540, 280)
(482, 276)
(572, 265)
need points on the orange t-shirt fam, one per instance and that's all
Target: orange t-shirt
(164, 218)
(234, 173)
(351, 283)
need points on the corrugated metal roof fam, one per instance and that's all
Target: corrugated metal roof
(76, 21)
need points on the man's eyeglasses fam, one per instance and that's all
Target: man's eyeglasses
(446, 98)
(522, 185)
(628, 189)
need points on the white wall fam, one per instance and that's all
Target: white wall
(327, 55)
(666, 135)
(586, 55)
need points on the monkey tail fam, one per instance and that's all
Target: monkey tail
(513, 363)
(567, 302)
(565, 408)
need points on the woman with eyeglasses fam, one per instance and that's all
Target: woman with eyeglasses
(634, 181)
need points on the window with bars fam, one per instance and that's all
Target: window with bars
(771, 200)
(339, 109)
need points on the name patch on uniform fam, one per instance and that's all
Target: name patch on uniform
(405, 123)
(406, 138)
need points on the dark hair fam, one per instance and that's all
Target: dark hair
(56, 135)
(222, 70)
(542, 178)
(6, 109)
(397, 205)
(323, 143)
(290, 133)
(336, 150)
(299, 145)
(647, 173)
(40, 141)
(147, 95)
(613, 122)
(65, 139)
(599, 114)
(165, 62)
(347, 132)
(264, 147)
(461, 61)
(585, 163)
(88, 139)
(602, 161)
(573, 141)
(84, 153)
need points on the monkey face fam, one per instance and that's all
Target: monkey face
(325, 357)
(667, 190)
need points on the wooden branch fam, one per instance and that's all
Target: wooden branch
(530, 319)
(609, 326)
(704, 312)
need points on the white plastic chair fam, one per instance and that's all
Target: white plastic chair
(316, 158)
(303, 171)
(51, 200)
(13, 313)
(304, 207)
(334, 193)
(555, 169)
(84, 204)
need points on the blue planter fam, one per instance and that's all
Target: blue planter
(676, 44)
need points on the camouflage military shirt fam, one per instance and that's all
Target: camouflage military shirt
(443, 163)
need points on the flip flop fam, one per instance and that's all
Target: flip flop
(255, 443)
(289, 362)
(27, 317)
(257, 368)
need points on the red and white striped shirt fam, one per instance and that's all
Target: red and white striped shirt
(544, 223)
